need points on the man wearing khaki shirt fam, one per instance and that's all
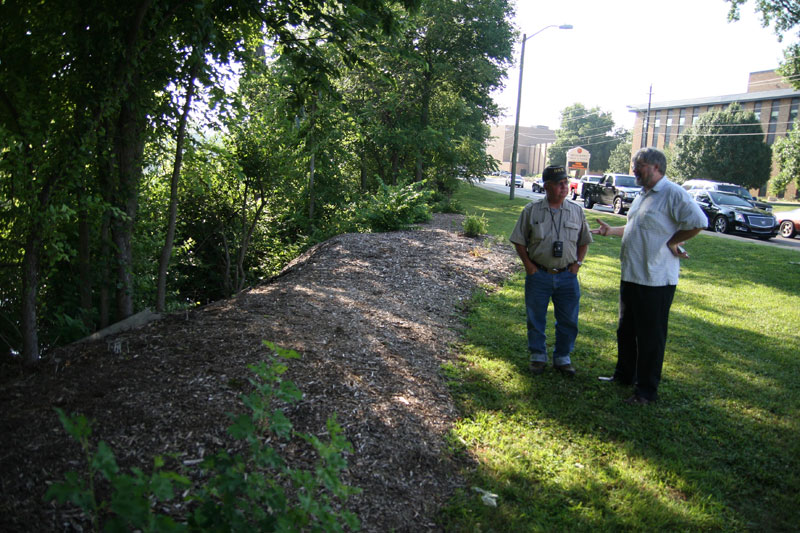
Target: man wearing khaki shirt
(551, 238)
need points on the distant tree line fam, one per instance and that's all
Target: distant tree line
(161, 153)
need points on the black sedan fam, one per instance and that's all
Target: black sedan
(729, 213)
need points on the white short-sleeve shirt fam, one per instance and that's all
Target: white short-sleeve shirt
(653, 219)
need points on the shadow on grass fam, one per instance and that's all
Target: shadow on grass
(718, 452)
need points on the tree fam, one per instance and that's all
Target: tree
(783, 15)
(786, 151)
(82, 87)
(588, 128)
(619, 161)
(428, 94)
(726, 146)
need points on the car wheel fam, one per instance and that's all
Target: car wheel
(588, 203)
(618, 206)
(787, 229)
(721, 224)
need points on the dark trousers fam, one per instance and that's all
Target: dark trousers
(642, 335)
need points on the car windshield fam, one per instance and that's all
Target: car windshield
(735, 189)
(726, 198)
(626, 181)
(594, 179)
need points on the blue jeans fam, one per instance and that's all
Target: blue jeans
(565, 292)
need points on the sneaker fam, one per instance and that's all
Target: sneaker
(567, 370)
(537, 367)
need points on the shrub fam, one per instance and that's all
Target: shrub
(448, 205)
(242, 492)
(475, 225)
(397, 207)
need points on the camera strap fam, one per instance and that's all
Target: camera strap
(553, 219)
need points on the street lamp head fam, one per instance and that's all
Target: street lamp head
(565, 27)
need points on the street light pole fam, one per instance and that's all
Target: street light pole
(515, 146)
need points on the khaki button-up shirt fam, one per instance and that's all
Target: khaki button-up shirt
(537, 230)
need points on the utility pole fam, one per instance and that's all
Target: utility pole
(647, 119)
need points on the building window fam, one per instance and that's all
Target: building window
(757, 111)
(792, 114)
(773, 122)
(682, 121)
(695, 115)
(656, 126)
(668, 129)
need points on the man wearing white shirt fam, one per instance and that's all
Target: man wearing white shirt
(660, 219)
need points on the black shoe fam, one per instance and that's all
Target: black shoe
(537, 367)
(638, 400)
(567, 370)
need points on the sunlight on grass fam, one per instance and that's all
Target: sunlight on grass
(719, 451)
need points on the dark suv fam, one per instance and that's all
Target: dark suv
(729, 213)
(732, 188)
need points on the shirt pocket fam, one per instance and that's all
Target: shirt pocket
(649, 220)
(571, 231)
(537, 232)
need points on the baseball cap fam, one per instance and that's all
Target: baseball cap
(554, 173)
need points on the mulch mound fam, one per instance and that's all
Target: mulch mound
(373, 316)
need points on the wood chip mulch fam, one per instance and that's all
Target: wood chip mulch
(374, 316)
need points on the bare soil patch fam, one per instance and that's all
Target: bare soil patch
(374, 316)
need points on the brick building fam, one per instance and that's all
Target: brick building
(531, 148)
(774, 102)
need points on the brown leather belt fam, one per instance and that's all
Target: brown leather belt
(550, 270)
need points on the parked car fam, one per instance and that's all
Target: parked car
(519, 182)
(537, 185)
(576, 185)
(789, 222)
(729, 213)
(738, 190)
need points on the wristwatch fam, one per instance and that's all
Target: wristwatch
(579, 263)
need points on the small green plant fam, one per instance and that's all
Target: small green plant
(475, 225)
(255, 491)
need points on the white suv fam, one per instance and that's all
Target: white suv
(738, 190)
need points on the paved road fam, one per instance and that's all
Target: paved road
(498, 185)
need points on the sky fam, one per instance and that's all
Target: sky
(618, 48)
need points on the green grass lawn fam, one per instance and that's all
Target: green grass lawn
(720, 451)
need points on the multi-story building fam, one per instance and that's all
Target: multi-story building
(774, 102)
(531, 148)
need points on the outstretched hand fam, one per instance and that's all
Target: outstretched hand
(602, 230)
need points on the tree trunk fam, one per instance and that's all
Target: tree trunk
(311, 166)
(226, 280)
(129, 146)
(166, 252)
(105, 273)
(85, 267)
(395, 166)
(30, 287)
(311, 189)
(363, 168)
(247, 234)
(424, 119)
